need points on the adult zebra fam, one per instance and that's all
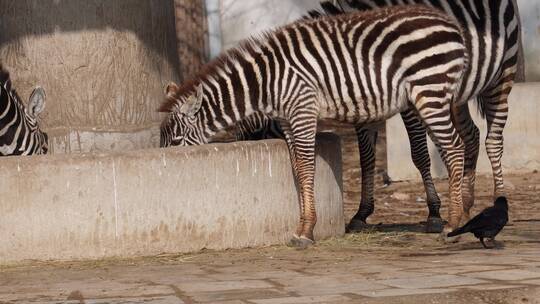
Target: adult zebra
(492, 30)
(356, 68)
(19, 129)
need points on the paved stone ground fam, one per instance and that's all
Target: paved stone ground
(391, 263)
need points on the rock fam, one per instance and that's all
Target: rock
(400, 196)
(508, 185)
(420, 199)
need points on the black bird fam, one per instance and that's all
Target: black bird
(488, 223)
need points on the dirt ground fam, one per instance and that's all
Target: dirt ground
(404, 202)
(393, 251)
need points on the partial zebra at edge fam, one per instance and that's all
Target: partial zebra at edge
(493, 36)
(20, 133)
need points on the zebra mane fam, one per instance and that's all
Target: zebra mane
(339, 7)
(220, 63)
(4, 78)
(5, 83)
(327, 9)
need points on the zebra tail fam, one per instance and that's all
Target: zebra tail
(458, 231)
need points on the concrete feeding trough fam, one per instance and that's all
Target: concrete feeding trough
(146, 202)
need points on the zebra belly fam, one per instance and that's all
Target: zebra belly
(359, 112)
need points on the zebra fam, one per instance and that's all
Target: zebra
(492, 30)
(19, 129)
(358, 68)
(258, 126)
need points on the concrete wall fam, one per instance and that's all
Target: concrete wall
(521, 139)
(530, 19)
(160, 200)
(240, 19)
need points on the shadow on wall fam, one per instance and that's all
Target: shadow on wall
(44, 17)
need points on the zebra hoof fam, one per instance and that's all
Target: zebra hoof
(355, 226)
(448, 240)
(434, 225)
(300, 242)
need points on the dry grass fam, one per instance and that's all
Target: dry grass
(372, 238)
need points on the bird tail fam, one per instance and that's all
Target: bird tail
(458, 231)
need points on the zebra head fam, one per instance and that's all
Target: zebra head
(36, 105)
(182, 127)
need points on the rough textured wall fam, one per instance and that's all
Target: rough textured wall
(102, 63)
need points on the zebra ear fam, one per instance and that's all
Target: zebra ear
(171, 89)
(36, 102)
(193, 103)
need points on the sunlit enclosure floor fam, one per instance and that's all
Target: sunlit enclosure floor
(392, 262)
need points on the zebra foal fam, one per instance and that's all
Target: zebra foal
(19, 129)
(357, 68)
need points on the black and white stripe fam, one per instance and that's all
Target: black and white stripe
(258, 126)
(358, 68)
(19, 129)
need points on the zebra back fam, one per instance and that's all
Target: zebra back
(492, 29)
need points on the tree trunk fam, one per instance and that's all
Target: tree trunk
(103, 64)
(191, 36)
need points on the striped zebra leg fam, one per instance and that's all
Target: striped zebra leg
(420, 157)
(471, 137)
(495, 103)
(289, 138)
(366, 146)
(496, 111)
(433, 107)
(303, 128)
